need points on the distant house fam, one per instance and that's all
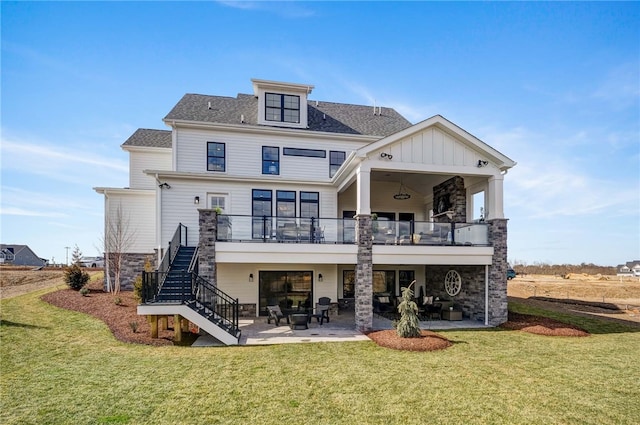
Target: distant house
(19, 255)
(630, 268)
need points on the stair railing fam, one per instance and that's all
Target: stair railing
(223, 308)
(179, 238)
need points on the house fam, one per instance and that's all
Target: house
(272, 197)
(630, 268)
(19, 255)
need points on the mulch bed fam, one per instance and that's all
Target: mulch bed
(427, 341)
(541, 326)
(119, 318)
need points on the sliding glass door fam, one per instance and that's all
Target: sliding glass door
(288, 289)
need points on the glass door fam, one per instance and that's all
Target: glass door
(289, 289)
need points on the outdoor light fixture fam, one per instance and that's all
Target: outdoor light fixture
(482, 163)
(250, 277)
(164, 186)
(196, 200)
(386, 155)
(402, 193)
(320, 277)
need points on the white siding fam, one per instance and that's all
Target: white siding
(244, 154)
(178, 202)
(139, 211)
(140, 161)
(432, 147)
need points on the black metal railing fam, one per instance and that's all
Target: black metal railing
(188, 288)
(269, 229)
(215, 303)
(179, 238)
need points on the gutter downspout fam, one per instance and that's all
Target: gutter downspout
(486, 295)
(158, 222)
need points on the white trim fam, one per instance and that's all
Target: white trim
(486, 295)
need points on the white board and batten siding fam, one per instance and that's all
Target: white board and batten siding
(156, 159)
(243, 154)
(138, 210)
(433, 147)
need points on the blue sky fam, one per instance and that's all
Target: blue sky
(554, 86)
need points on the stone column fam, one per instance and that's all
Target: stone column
(208, 222)
(364, 274)
(498, 272)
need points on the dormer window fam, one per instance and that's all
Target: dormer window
(282, 104)
(282, 108)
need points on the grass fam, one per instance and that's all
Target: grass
(61, 367)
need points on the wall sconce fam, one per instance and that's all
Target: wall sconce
(482, 163)
(386, 155)
(196, 200)
(319, 277)
(164, 186)
(250, 277)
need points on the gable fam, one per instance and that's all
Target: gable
(436, 142)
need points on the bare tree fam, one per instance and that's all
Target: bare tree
(118, 238)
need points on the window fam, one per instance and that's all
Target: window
(215, 156)
(217, 201)
(309, 204)
(262, 200)
(348, 284)
(282, 108)
(384, 281)
(285, 203)
(312, 153)
(336, 159)
(270, 160)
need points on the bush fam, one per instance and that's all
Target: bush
(75, 277)
(84, 291)
(408, 325)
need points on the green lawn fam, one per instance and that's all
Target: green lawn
(62, 367)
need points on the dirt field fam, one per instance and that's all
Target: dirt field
(16, 281)
(610, 297)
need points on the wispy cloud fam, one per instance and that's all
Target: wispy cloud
(620, 87)
(29, 213)
(545, 184)
(286, 9)
(79, 165)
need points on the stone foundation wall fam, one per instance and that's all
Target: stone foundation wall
(131, 267)
(471, 296)
(364, 274)
(247, 310)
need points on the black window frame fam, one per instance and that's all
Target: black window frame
(276, 104)
(258, 231)
(210, 156)
(315, 201)
(309, 153)
(334, 166)
(268, 162)
(284, 197)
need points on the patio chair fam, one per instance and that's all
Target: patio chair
(275, 314)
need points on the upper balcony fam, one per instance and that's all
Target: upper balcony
(267, 229)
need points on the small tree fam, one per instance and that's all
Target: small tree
(408, 325)
(76, 255)
(75, 277)
(118, 238)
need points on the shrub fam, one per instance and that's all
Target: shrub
(408, 325)
(75, 277)
(133, 326)
(137, 284)
(117, 301)
(84, 291)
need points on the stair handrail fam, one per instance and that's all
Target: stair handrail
(194, 266)
(224, 308)
(174, 245)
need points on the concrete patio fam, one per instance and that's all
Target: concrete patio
(341, 328)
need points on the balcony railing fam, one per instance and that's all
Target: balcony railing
(268, 229)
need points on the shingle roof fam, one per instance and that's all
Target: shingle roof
(322, 116)
(149, 138)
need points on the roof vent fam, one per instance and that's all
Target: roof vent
(242, 118)
(209, 105)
